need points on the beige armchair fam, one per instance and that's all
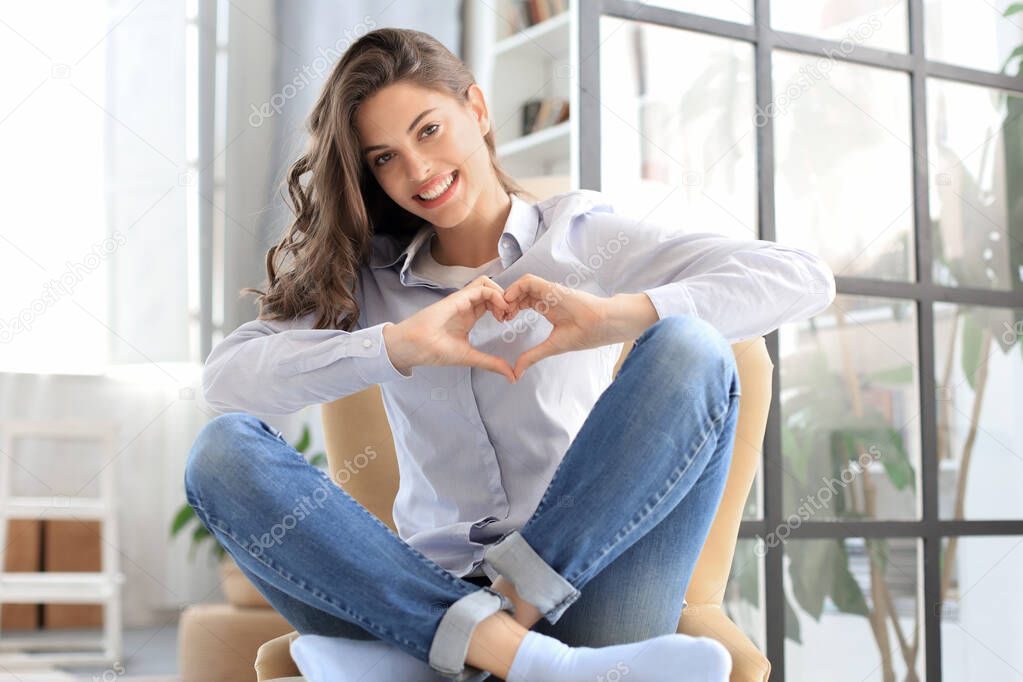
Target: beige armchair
(352, 422)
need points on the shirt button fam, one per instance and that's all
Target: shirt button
(366, 343)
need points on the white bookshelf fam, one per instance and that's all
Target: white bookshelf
(533, 63)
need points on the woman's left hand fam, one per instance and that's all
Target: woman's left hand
(581, 320)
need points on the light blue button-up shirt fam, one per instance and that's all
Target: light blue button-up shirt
(476, 453)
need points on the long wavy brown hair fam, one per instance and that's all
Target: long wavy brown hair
(337, 202)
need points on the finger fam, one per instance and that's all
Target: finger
(528, 283)
(493, 300)
(485, 281)
(508, 312)
(477, 358)
(532, 356)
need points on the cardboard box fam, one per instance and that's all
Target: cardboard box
(23, 553)
(71, 545)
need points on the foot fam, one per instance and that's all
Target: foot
(340, 659)
(674, 658)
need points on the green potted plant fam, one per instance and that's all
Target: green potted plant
(237, 587)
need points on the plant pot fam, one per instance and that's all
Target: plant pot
(238, 589)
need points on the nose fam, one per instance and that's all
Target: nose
(418, 170)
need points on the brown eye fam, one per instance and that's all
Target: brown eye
(433, 126)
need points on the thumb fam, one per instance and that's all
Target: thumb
(477, 358)
(532, 356)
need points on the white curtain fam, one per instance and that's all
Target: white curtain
(144, 372)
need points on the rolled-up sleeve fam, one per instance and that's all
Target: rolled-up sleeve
(743, 287)
(279, 367)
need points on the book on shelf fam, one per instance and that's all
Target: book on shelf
(526, 13)
(538, 114)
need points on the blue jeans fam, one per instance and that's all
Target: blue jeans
(644, 477)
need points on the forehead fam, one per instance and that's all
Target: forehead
(392, 108)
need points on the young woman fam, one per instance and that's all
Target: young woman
(548, 518)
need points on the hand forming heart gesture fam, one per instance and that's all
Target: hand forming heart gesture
(580, 319)
(438, 334)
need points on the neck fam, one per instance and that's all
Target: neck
(473, 242)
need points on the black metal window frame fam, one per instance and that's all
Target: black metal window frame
(930, 528)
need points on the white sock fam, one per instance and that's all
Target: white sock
(675, 657)
(340, 659)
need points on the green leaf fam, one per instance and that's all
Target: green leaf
(898, 467)
(201, 533)
(894, 457)
(1012, 9)
(303, 442)
(1018, 52)
(182, 518)
(970, 357)
(198, 535)
(845, 591)
(318, 459)
(809, 582)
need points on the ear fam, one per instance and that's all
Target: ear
(478, 107)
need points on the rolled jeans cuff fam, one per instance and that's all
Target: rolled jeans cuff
(535, 581)
(451, 641)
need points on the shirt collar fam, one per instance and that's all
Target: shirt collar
(519, 233)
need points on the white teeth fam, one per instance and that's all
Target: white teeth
(440, 190)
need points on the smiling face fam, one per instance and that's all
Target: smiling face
(414, 140)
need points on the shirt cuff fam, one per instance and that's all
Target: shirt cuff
(672, 299)
(377, 366)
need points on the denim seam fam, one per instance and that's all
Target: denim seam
(430, 563)
(554, 615)
(302, 585)
(625, 530)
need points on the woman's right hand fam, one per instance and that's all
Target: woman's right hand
(439, 333)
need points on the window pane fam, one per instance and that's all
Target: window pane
(56, 252)
(873, 23)
(740, 11)
(843, 164)
(971, 33)
(978, 374)
(743, 601)
(677, 146)
(982, 608)
(833, 588)
(976, 184)
(850, 412)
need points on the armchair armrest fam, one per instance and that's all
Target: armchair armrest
(709, 620)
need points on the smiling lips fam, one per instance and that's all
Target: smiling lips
(434, 184)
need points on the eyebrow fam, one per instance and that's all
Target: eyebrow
(367, 150)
